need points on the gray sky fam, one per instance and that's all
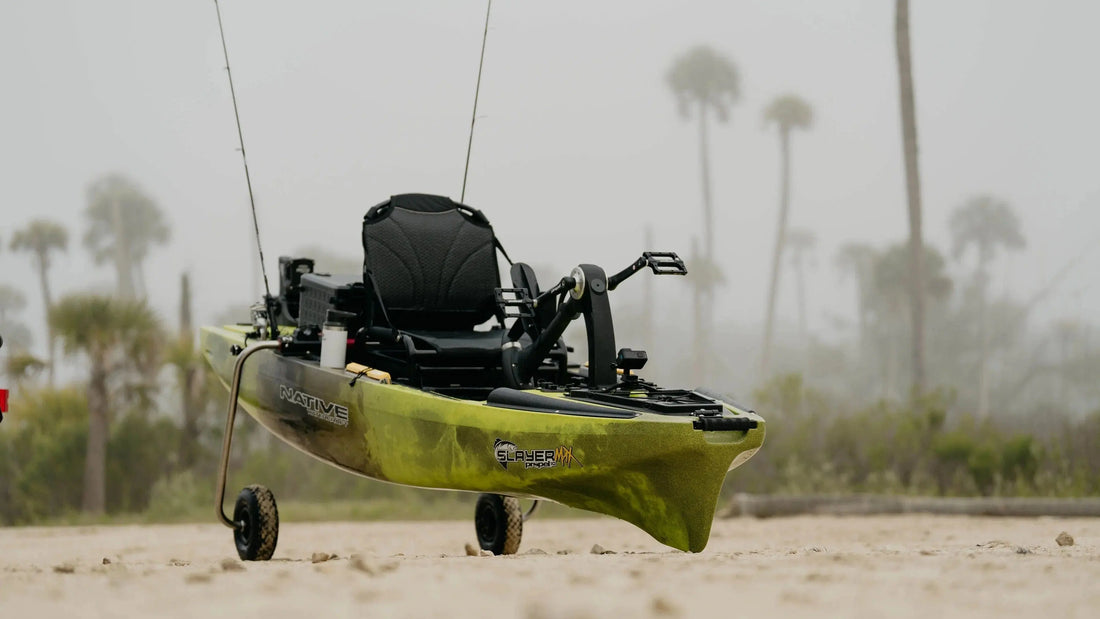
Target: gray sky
(578, 143)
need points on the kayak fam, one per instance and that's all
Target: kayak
(493, 413)
(655, 471)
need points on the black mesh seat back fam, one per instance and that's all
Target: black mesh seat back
(433, 261)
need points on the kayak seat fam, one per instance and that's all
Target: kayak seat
(430, 269)
(431, 263)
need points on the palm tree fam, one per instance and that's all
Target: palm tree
(186, 360)
(40, 238)
(704, 82)
(892, 286)
(123, 224)
(788, 112)
(120, 338)
(802, 242)
(859, 259)
(912, 190)
(985, 223)
(891, 283)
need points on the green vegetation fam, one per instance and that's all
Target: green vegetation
(121, 340)
(816, 445)
(42, 455)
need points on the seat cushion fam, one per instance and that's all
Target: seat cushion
(434, 262)
(463, 347)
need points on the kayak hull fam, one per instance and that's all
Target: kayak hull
(655, 471)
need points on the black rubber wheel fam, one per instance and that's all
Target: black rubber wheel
(257, 520)
(499, 523)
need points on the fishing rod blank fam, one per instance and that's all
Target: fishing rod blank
(477, 89)
(247, 178)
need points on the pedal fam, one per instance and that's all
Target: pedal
(665, 263)
(515, 302)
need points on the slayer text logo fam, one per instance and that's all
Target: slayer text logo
(506, 452)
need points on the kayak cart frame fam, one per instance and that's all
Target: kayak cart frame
(230, 417)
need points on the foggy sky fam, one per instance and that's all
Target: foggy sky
(578, 146)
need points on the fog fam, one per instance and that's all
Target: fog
(578, 146)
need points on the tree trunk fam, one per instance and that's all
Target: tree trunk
(139, 280)
(189, 384)
(800, 281)
(185, 306)
(708, 210)
(704, 298)
(983, 335)
(43, 280)
(1063, 360)
(862, 282)
(891, 362)
(803, 344)
(780, 242)
(697, 321)
(95, 462)
(912, 185)
(647, 297)
(123, 265)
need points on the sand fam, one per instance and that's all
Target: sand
(906, 566)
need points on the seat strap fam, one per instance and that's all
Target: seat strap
(496, 242)
(381, 303)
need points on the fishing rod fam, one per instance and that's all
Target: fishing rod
(477, 89)
(268, 299)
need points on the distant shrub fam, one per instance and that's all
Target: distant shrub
(815, 445)
(43, 453)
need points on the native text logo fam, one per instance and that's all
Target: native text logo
(315, 406)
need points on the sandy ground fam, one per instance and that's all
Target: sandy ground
(920, 566)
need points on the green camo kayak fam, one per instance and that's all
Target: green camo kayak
(660, 472)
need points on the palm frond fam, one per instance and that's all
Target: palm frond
(705, 78)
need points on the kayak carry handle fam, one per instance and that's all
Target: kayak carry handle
(724, 424)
